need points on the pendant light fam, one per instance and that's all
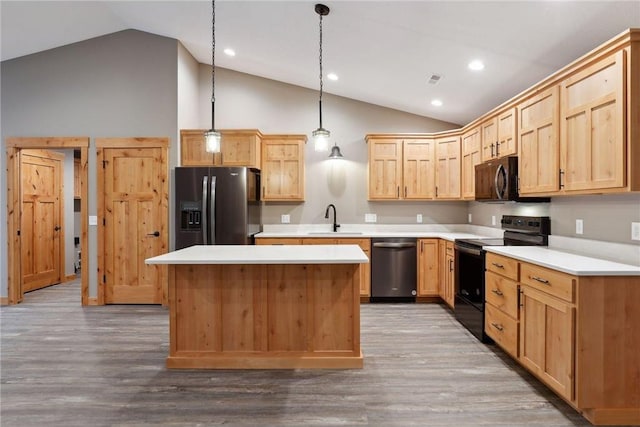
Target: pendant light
(335, 153)
(321, 136)
(212, 137)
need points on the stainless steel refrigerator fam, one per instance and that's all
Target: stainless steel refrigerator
(217, 206)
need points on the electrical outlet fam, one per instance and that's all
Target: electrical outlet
(470, 220)
(579, 226)
(493, 220)
(419, 218)
(370, 217)
(285, 219)
(635, 231)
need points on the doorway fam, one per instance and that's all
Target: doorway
(15, 147)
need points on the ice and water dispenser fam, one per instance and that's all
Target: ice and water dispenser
(190, 216)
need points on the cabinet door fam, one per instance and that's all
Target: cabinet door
(489, 131)
(418, 169)
(507, 135)
(471, 156)
(547, 339)
(240, 148)
(593, 126)
(192, 150)
(450, 282)
(428, 268)
(76, 178)
(283, 167)
(539, 153)
(448, 169)
(385, 169)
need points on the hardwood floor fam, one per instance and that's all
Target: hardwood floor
(65, 365)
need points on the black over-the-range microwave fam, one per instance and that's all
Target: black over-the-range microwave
(497, 181)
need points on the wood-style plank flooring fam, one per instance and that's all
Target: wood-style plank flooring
(65, 365)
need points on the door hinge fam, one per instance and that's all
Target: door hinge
(104, 221)
(18, 232)
(104, 164)
(104, 278)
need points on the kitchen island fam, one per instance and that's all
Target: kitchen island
(264, 307)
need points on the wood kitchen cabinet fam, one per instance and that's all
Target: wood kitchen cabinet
(428, 268)
(577, 334)
(539, 152)
(593, 126)
(447, 281)
(282, 172)
(448, 167)
(278, 241)
(471, 156)
(499, 138)
(400, 168)
(237, 148)
(365, 269)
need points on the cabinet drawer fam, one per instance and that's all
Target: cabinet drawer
(552, 282)
(504, 266)
(502, 328)
(278, 241)
(502, 293)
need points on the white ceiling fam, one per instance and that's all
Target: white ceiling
(383, 51)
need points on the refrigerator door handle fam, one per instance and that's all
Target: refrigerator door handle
(205, 233)
(212, 210)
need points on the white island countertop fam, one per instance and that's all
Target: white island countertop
(249, 254)
(569, 263)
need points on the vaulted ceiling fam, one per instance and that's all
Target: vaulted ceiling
(384, 52)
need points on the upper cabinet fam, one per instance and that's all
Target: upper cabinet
(499, 138)
(237, 148)
(448, 167)
(401, 168)
(539, 151)
(471, 156)
(282, 172)
(593, 126)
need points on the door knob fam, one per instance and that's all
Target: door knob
(155, 234)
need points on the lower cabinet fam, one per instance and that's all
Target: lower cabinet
(447, 272)
(577, 334)
(428, 268)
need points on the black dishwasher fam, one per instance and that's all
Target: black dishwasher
(393, 269)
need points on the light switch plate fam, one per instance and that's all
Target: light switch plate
(370, 217)
(635, 231)
(285, 219)
(93, 220)
(470, 220)
(493, 220)
(579, 226)
(419, 218)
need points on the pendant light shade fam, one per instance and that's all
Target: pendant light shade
(321, 135)
(335, 153)
(212, 137)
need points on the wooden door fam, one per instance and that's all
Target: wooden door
(489, 138)
(448, 169)
(41, 229)
(428, 268)
(135, 224)
(593, 126)
(539, 153)
(471, 156)
(418, 169)
(385, 168)
(283, 167)
(547, 339)
(507, 135)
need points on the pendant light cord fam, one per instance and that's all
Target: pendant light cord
(213, 62)
(320, 101)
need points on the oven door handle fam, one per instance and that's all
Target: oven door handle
(465, 250)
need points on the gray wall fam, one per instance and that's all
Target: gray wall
(244, 101)
(119, 85)
(605, 217)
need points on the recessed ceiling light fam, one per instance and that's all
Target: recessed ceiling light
(436, 103)
(230, 52)
(476, 65)
(332, 76)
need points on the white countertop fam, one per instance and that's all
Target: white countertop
(248, 254)
(368, 235)
(577, 265)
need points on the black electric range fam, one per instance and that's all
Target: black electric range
(470, 266)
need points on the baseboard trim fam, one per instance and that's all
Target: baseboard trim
(70, 278)
(92, 301)
(4, 300)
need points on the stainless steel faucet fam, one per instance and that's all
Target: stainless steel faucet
(326, 215)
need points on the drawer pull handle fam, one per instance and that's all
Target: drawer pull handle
(498, 265)
(498, 327)
(538, 279)
(497, 292)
